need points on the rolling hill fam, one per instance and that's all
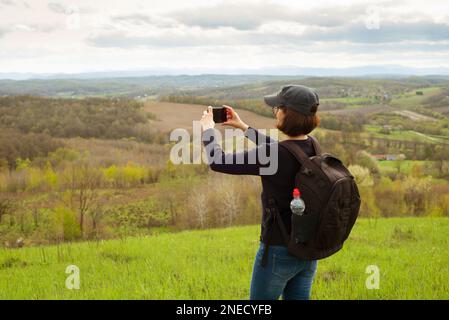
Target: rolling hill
(217, 264)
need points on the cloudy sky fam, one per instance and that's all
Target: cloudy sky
(68, 36)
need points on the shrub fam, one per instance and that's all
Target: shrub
(67, 220)
(366, 160)
(361, 175)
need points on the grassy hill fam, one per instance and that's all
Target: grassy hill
(411, 254)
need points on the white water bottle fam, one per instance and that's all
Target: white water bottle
(297, 205)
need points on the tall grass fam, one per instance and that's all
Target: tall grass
(411, 254)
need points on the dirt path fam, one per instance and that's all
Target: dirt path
(414, 116)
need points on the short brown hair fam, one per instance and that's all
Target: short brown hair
(295, 124)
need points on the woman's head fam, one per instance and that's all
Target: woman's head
(296, 108)
(293, 123)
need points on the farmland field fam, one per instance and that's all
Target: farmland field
(405, 135)
(411, 254)
(176, 115)
(412, 99)
(405, 165)
(361, 110)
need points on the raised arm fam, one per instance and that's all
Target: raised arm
(252, 134)
(257, 137)
(257, 161)
(250, 162)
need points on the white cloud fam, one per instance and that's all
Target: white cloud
(57, 7)
(252, 15)
(51, 36)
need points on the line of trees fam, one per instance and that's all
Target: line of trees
(190, 197)
(65, 118)
(15, 145)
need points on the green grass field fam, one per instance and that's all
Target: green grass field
(411, 253)
(350, 100)
(405, 135)
(406, 166)
(411, 99)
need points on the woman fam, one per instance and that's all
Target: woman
(277, 273)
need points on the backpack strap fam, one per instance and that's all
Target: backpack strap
(269, 213)
(307, 166)
(272, 211)
(316, 145)
(299, 154)
(278, 219)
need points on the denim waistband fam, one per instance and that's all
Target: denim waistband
(274, 248)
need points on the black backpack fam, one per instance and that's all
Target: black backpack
(332, 203)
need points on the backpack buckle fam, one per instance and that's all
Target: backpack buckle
(307, 171)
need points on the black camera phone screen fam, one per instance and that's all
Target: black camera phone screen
(219, 114)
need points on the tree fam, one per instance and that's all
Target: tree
(84, 188)
(417, 193)
(199, 206)
(6, 206)
(441, 155)
(67, 220)
(339, 151)
(361, 175)
(366, 160)
(3, 165)
(96, 214)
(416, 170)
(398, 164)
(229, 200)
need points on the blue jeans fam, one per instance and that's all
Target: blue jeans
(284, 274)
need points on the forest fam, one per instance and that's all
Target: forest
(98, 168)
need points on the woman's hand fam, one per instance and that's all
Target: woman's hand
(207, 120)
(234, 119)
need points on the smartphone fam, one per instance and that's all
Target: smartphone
(220, 114)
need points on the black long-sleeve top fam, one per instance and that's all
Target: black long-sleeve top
(279, 183)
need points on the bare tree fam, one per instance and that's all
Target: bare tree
(398, 164)
(85, 183)
(441, 155)
(229, 199)
(199, 206)
(96, 215)
(6, 206)
(170, 202)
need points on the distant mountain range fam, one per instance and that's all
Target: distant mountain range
(371, 71)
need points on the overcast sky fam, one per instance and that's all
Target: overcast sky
(51, 36)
